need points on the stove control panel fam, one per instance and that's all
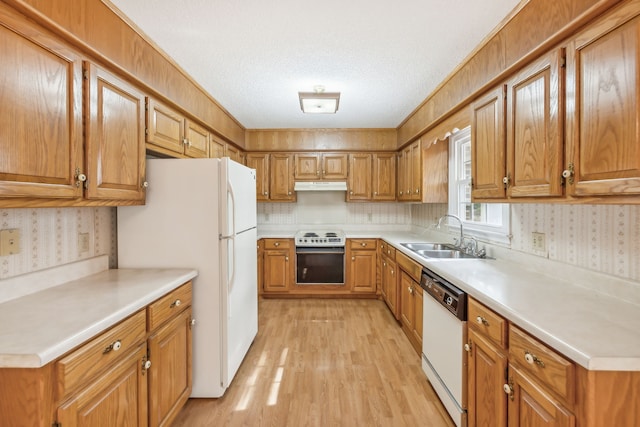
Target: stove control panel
(314, 238)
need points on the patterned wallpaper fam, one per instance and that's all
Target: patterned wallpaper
(49, 237)
(603, 238)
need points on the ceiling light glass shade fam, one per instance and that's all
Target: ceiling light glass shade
(319, 103)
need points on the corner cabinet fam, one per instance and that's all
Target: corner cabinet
(603, 63)
(114, 137)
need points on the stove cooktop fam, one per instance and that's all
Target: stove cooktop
(320, 238)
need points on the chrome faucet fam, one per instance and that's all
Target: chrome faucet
(461, 241)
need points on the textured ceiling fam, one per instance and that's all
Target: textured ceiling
(254, 56)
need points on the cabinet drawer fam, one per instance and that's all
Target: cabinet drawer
(487, 322)
(388, 250)
(92, 357)
(277, 243)
(362, 244)
(411, 267)
(169, 305)
(545, 365)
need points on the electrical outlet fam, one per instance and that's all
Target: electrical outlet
(538, 243)
(9, 242)
(83, 242)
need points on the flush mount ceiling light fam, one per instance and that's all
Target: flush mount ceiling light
(319, 102)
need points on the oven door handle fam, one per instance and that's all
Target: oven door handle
(300, 250)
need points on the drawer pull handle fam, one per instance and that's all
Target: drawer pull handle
(115, 346)
(482, 321)
(532, 358)
(276, 244)
(176, 303)
(363, 244)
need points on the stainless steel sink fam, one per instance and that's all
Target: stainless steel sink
(428, 246)
(437, 250)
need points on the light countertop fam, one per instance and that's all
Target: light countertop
(559, 304)
(38, 328)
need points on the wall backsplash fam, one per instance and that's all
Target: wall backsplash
(49, 237)
(603, 238)
(329, 207)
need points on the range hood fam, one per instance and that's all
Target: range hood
(320, 186)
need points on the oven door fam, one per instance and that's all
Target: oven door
(319, 266)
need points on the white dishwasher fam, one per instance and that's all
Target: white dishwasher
(444, 332)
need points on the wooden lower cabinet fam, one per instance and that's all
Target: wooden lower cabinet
(118, 397)
(530, 405)
(411, 299)
(170, 378)
(277, 265)
(486, 371)
(390, 285)
(136, 373)
(361, 265)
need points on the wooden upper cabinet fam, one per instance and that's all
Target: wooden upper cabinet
(488, 146)
(233, 153)
(359, 185)
(281, 177)
(603, 64)
(535, 130)
(416, 171)
(197, 140)
(170, 132)
(260, 162)
(384, 176)
(216, 147)
(114, 137)
(435, 171)
(320, 166)
(40, 115)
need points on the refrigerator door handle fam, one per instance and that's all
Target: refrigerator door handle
(231, 237)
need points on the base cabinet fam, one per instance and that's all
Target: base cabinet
(361, 265)
(389, 279)
(116, 398)
(278, 265)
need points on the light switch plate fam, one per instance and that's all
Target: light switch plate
(9, 242)
(83, 242)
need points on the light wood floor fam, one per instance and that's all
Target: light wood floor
(324, 362)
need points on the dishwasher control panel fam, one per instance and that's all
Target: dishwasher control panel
(448, 295)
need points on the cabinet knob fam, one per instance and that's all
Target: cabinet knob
(363, 244)
(353, 258)
(286, 258)
(507, 389)
(532, 358)
(146, 365)
(318, 173)
(384, 264)
(276, 244)
(265, 193)
(401, 193)
(324, 172)
(82, 177)
(392, 272)
(176, 303)
(467, 347)
(192, 322)
(482, 321)
(569, 173)
(144, 184)
(115, 346)
(417, 191)
(410, 289)
(289, 193)
(350, 192)
(375, 193)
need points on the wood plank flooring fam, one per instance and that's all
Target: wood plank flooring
(320, 362)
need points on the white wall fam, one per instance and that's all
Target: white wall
(49, 237)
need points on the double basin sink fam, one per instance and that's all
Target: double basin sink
(437, 250)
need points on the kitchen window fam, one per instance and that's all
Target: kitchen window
(485, 221)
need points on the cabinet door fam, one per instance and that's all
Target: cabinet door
(604, 68)
(307, 166)
(531, 406)
(165, 127)
(390, 286)
(232, 152)
(197, 144)
(416, 171)
(277, 268)
(334, 166)
(384, 176)
(486, 400)
(417, 315)
(260, 162)
(40, 115)
(404, 175)
(488, 167)
(435, 169)
(170, 372)
(407, 307)
(117, 398)
(115, 140)
(535, 128)
(361, 270)
(359, 177)
(216, 147)
(281, 177)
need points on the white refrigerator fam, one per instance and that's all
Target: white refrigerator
(201, 213)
